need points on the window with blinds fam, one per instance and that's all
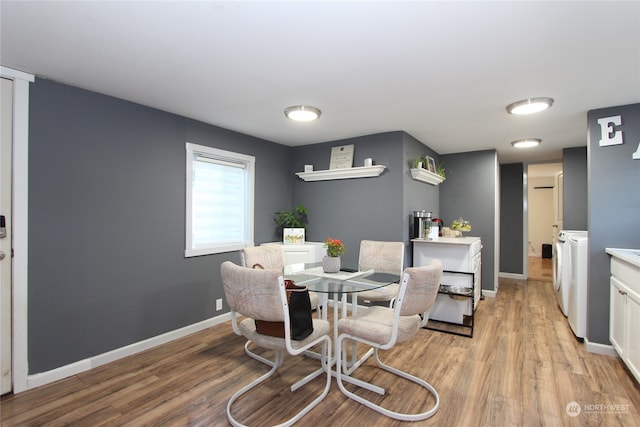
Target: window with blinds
(219, 208)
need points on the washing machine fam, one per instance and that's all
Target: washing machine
(577, 313)
(562, 267)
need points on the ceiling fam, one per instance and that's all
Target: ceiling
(440, 71)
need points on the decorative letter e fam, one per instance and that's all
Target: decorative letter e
(609, 136)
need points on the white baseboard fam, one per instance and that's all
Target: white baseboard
(594, 347)
(516, 276)
(40, 379)
(488, 293)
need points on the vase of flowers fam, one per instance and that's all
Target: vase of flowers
(331, 262)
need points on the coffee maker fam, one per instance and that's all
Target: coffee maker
(421, 224)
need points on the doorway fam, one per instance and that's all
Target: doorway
(544, 202)
(18, 225)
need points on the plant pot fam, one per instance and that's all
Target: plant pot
(331, 264)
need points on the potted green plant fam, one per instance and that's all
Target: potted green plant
(417, 162)
(440, 169)
(291, 218)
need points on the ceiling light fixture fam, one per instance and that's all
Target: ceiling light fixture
(302, 113)
(527, 142)
(529, 106)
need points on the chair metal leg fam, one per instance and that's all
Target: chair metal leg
(348, 368)
(259, 358)
(326, 362)
(252, 384)
(392, 414)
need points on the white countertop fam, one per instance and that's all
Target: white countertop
(632, 256)
(449, 240)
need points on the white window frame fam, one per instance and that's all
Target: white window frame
(248, 163)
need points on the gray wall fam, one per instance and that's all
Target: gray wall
(107, 221)
(368, 208)
(511, 218)
(417, 194)
(106, 215)
(354, 209)
(574, 207)
(614, 208)
(470, 192)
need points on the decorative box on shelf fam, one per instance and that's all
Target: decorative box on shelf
(421, 174)
(343, 173)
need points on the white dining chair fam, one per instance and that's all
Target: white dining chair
(270, 257)
(261, 295)
(383, 257)
(382, 328)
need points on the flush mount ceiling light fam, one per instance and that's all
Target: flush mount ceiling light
(302, 113)
(529, 106)
(526, 143)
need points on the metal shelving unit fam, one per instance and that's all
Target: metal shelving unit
(455, 284)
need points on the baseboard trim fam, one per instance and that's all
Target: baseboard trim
(516, 276)
(594, 347)
(488, 293)
(43, 378)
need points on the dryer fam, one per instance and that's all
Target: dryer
(562, 267)
(560, 264)
(577, 314)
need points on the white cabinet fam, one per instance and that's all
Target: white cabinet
(617, 302)
(624, 309)
(462, 254)
(298, 254)
(632, 358)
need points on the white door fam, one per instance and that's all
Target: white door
(6, 130)
(558, 196)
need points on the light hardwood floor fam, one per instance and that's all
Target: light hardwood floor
(540, 269)
(522, 368)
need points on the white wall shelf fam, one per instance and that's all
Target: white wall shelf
(344, 173)
(421, 174)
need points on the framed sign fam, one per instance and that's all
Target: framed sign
(341, 157)
(293, 236)
(431, 164)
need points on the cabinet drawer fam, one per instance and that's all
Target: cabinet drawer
(626, 273)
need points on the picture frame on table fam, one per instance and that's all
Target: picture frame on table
(431, 164)
(293, 236)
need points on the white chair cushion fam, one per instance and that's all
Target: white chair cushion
(248, 328)
(376, 323)
(268, 256)
(384, 257)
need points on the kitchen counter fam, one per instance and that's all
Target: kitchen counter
(632, 256)
(449, 240)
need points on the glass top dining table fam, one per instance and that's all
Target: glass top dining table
(315, 279)
(338, 286)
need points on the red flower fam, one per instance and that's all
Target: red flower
(334, 247)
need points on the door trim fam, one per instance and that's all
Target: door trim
(6, 174)
(21, 82)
